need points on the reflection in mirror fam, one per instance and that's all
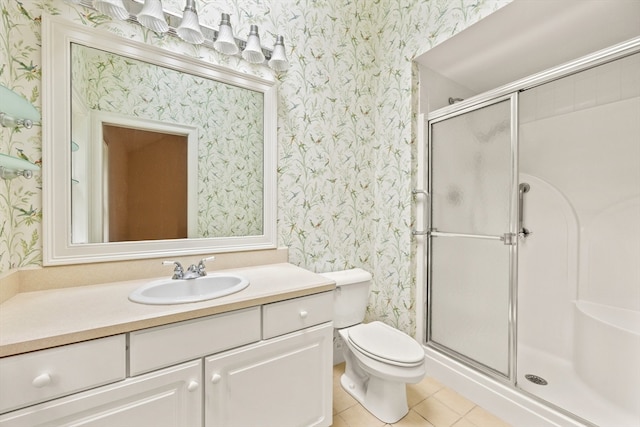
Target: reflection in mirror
(146, 184)
(150, 153)
(136, 186)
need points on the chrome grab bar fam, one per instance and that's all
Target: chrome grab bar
(468, 236)
(426, 194)
(522, 189)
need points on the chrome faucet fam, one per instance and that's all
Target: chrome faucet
(193, 272)
(178, 271)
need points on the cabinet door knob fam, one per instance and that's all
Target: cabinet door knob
(216, 378)
(303, 314)
(193, 386)
(41, 380)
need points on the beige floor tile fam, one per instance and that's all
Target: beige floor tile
(341, 399)
(454, 401)
(412, 419)
(482, 418)
(433, 405)
(338, 421)
(464, 423)
(436, 412)
(416, 393)
(357, 416)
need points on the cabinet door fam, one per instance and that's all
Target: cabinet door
(282, 382)
(171, 397)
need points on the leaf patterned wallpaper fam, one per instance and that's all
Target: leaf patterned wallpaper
(345, 125)
(229, 120)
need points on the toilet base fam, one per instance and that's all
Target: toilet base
(384, 399)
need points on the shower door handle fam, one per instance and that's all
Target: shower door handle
(522, 189)
(426, 194)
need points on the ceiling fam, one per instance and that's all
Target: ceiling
(529, 36)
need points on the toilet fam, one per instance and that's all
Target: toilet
(380, 360)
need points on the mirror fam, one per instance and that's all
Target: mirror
(149, 153)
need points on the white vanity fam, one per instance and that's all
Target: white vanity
(261, 357)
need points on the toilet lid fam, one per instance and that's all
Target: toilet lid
(385, 343)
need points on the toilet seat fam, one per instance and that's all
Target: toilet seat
(384, 343)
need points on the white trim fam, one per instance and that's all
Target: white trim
(57, 36)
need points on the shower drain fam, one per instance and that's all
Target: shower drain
(536, 379)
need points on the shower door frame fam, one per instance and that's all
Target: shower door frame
(509, 237)
(423, 210)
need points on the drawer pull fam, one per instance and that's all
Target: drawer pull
(41, 380)
(216, 378)
(193, 386)
(303, 314)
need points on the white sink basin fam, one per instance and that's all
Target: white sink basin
(170, 291)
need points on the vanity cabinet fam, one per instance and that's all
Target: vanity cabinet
(268, 365)
(29, 378)
(170, 397)
(155, 348)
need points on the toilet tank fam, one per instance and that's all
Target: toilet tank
(350, 297)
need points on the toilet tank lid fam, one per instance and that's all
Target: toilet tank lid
(348, 277)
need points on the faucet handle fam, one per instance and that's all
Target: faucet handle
(178, 271)
(201, 265)
(209, 258)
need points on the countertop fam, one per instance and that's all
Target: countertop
(37, 320)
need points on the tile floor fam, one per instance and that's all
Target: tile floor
(430, 405)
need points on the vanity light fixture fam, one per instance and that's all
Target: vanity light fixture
(253, 51)
(226, 42)
(189, 29)
(112, 8)
(152, 16)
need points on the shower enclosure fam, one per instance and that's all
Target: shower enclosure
(533, 241)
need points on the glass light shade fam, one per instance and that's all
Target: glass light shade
(189, 29)
(253, 52)
(226, 42)
(278, 61)
(152, 17)
(112, 8)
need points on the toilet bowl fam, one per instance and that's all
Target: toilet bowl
(380, 360)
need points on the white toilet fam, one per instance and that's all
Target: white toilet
(380, 360)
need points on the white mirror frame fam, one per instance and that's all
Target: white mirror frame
(57, 36)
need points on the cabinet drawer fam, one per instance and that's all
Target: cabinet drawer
(287, 316)
(162, 346)
(170, 397)
(29, 378)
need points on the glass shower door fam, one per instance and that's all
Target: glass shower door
(472, 234)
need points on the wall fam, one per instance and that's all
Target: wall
(580, 134)
(345, 126)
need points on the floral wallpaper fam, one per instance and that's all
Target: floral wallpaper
(228, 118)
(346, 125)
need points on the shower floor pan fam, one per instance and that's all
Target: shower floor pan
(565, 389)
